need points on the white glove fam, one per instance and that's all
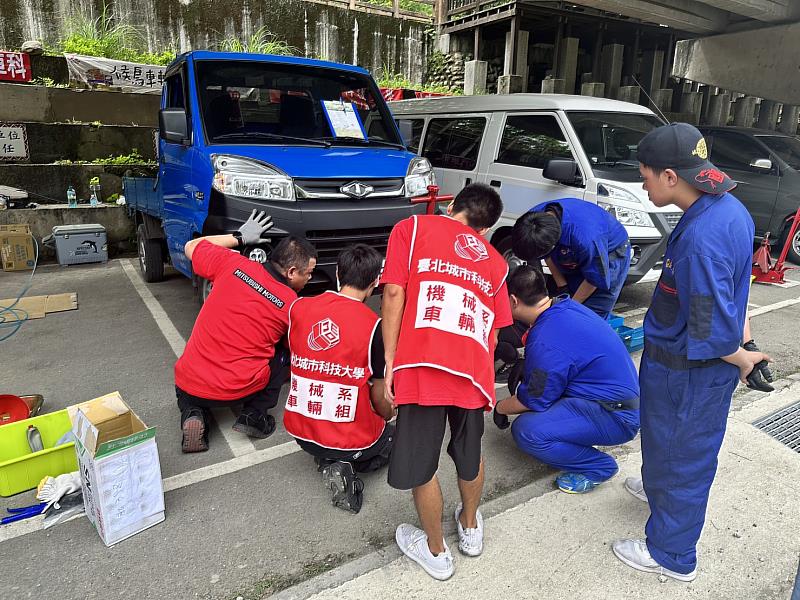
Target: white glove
(55, 488)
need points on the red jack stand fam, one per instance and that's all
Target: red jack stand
(432, 199)
(764, 269)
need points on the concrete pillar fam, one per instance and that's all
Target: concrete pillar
(789, 116)
(768, 115)
(567, 66)
(744, 111)
(523, 38)
(662, 99)
(629, 93)
(475, 77)
(443, 43)
(705, 92)
(611, 68)
(509, 84)
(691, 103)
(719, 109)
(553, 86)
(593, 89)
(652, 67)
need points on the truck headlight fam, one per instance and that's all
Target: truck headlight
(628, 216)
(247, 178)
(419, 177)
(615, 193)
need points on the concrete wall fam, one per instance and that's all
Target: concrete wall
(316, 29)
(57, 105)
(49, 142)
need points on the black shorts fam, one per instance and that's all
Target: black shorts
(418, 443)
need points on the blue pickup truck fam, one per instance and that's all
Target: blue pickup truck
(310, 142)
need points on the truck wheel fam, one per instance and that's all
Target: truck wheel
(151, 256)
(794, 247)
(205, 289)
(504, 248)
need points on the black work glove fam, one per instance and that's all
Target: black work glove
(515, 376)
(761, 374)
(501, 421)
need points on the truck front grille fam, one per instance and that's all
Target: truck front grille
(330, 188)
(672, 219)
(330, 242)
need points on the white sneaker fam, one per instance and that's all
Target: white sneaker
(470, 541)
(414, 544)
(635, 486)
(634, 553)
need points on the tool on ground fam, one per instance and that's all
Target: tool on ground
(24, 512)
(34, 439)
(432, 199)
(765, 270)
(52, 489)
(761, 376)
(69, 506)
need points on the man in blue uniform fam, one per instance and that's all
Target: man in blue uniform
(692, 356)
(579, 386)
(586, 249)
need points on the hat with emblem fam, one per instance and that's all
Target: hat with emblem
(682, 148)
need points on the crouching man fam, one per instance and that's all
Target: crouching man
(234, 355)
(336, 408)
(579, 386)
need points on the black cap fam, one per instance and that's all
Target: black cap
(682, 148)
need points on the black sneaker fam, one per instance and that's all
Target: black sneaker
(322, 463)
(255, 424)
(501, 375)
(195, 432)
(347, 490)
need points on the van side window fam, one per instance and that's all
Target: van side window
(454, 143)
(735, 151)
(411, 129)
(175, 88)
(532, 140)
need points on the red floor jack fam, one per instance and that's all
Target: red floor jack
(432, 199)
(765, 270)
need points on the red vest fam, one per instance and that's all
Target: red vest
(330, 337)
(449, 314)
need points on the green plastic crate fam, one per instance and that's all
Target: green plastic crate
(21, 469)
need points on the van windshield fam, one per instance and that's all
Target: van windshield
(610, 141)
(788, 148)
(246, 102)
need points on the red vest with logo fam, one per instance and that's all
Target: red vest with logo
(449, 314)
(330, 337)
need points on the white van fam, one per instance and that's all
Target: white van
(538, 147)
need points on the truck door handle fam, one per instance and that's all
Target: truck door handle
(495, 183)
(468, 180)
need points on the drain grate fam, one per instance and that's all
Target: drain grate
(783, 425)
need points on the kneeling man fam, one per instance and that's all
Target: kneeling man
(336, 408)
(579, 386)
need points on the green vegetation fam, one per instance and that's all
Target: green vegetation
(109, 36)
(134, 158)
(396, 80)
(47, 82)
(262, 41)
(409, 5)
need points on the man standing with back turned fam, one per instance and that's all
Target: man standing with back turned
(444, 297)
(692, 355)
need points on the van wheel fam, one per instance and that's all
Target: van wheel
(151, 256)
(794, 247)
(205, 289)
(504, 248)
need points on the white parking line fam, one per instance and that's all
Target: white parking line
(776, 306)
(632, 313)
(238, 443)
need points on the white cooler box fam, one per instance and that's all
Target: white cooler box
(78, 244)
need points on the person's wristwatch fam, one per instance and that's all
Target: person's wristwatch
(238, 235)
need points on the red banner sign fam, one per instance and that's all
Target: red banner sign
(15, 66)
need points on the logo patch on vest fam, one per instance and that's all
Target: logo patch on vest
(324, 335)
(470, 247)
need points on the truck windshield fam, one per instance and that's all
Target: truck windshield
(610, 141)
(788, 148)
(247, 102)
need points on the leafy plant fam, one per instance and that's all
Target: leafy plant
(261, 41)
(397, 80)
(409, 5)
(134, 158)
(47, 82)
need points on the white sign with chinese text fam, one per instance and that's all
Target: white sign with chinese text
(131, 77)
(13, 141)
(451, 308)
(322, 400)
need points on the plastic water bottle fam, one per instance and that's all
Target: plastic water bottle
(93, 199)
(72, 197)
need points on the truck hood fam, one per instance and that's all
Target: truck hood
(319, 162)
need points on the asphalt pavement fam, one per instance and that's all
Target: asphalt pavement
(245, 518)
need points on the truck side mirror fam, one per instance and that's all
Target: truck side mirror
(762, 164)
(172, 125)
(562, 170)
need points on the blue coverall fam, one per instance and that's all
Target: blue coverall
(581, 387)
(696, 316)
(593, 246)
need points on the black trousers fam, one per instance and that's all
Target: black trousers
(363, 461)
(260, 401)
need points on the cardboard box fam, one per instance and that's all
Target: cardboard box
(16, 249)
(14, 229)
(118, 460)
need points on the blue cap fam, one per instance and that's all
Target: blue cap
(682, 148)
